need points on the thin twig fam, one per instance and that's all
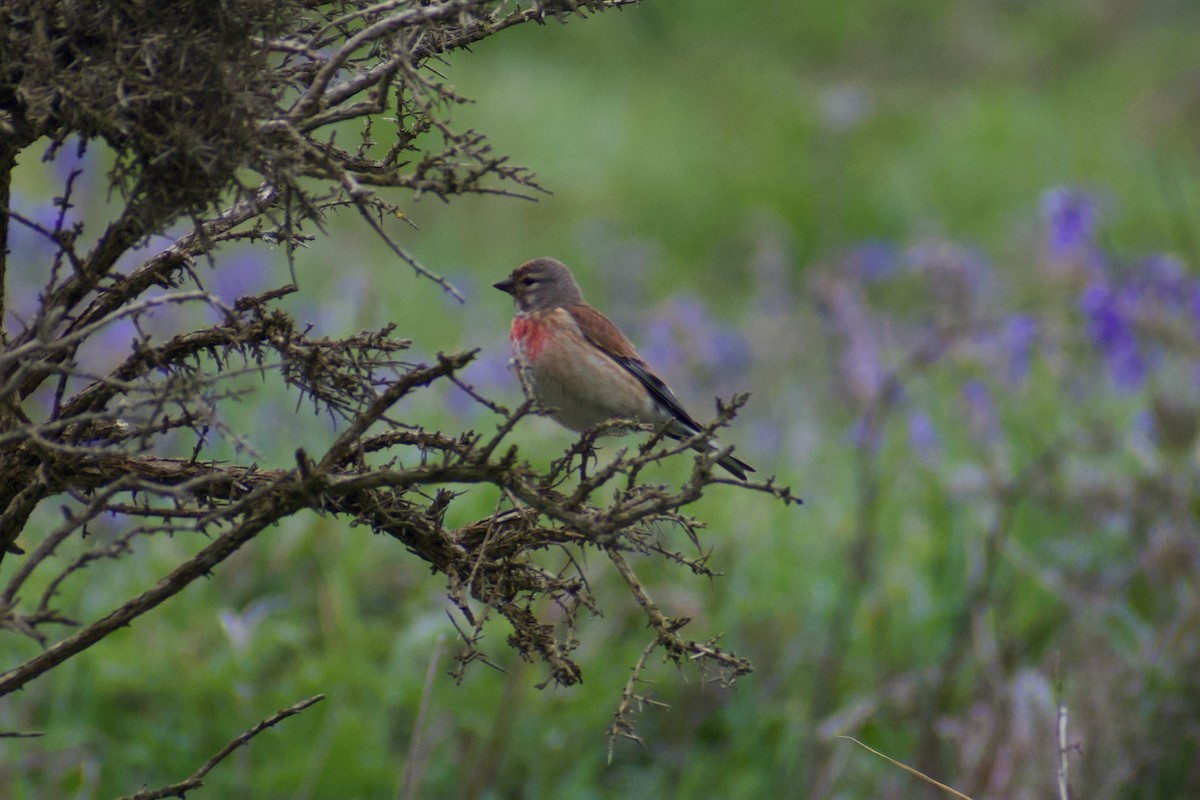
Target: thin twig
(907, 768)
(622, 725)
(197, 778)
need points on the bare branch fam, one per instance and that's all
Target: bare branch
(196, 780)
(233, 124)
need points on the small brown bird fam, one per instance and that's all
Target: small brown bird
(580, 365)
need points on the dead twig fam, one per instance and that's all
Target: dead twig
(196, 780)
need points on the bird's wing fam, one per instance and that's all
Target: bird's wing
(608, 338)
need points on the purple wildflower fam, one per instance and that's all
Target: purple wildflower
(860, 361)
(239, 273)
(767, 436)
(659, 345)
(1164, 278)
(1019, 335)
(730, 352)
(1071, 219)
(685, 343)
(681, 332)
(109, 347)
(1110, 327)
(863, 435)
(872, 260)
(1194, 304)
(862, 367)
(488, 374)
(923, 436)
(691, 317)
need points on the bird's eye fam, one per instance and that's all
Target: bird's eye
(528, 281)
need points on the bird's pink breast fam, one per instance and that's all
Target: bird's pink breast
(529, 335)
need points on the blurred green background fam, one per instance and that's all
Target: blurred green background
(791, 200)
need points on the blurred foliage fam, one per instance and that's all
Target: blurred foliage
(984, 386)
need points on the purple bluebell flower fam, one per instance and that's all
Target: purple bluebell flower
(730, 352)
(1194, 306)
(239, 273)
(1019, 335)
(861, 433)
(659, 346)
(687, 344)
(872, 260)
(1071, 219)
(1164, 278)
(923, 436)
(862, 367)
(488, 375)
(109, 347)
(767, 436)
(1110, 326)
(696, 328)
(690, 314)
(860, 361)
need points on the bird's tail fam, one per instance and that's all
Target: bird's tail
(734, 466)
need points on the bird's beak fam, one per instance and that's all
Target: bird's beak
(505, 285)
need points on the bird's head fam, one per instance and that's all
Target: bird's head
(541, 283)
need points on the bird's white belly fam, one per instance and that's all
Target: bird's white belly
(582, 387)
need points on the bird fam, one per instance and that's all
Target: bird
(580, 366)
